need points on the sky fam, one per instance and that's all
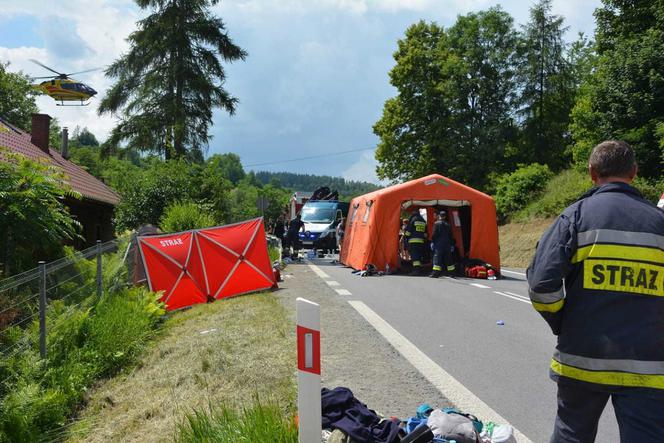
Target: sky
(314, 82)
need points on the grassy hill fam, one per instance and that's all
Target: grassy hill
(212, 354)
(525, 226)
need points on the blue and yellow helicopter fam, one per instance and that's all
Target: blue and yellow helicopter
(62, 88)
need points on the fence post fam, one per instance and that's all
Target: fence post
(308, 374)
(99, 279)
(42, 309)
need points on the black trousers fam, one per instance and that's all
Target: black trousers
(442, 258)
(416, 251)
(640, 419)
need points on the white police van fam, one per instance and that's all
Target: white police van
(321, 218)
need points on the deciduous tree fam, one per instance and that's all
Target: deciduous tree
(17, 98)
(624, 98)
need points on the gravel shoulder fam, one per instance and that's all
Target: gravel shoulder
(354, 355)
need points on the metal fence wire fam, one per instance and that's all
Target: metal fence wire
(27, 296)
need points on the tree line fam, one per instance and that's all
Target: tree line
(480, 98)
(310, 182)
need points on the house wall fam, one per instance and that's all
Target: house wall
(96, 220)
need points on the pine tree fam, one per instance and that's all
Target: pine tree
(547, 87)
(171, 79)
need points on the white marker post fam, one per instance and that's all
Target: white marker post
(308, 374)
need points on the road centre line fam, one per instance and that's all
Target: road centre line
(477, 285)
(343, 292)
(517, 295)
(512, 297)
(513, 272)
(332, 283)
(452, 389)
(318, 271)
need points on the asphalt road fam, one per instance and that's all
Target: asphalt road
(454, 322)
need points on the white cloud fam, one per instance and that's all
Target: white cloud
(364, 169)
(79, 35)
(314, 82)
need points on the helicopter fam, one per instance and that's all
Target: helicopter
(62, 88)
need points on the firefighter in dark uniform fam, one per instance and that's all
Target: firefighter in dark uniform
(415, 238)
(293, 234)
(442, 246)
(597, 278)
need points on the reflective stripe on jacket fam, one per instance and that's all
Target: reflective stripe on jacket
(597, 278)
(416, 231)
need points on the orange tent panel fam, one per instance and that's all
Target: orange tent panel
(374, 220)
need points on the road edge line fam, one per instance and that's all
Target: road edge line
(452, 389)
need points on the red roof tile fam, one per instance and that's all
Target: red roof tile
(80, 180)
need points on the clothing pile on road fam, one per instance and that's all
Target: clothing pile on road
(346, 419)
(368, 271)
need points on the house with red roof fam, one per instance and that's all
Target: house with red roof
(95, 208)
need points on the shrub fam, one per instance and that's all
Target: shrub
(89, 340)
(28, 411)
(183, 216)
(516, 189)
(274, 253)
(32, 207)
(259, 423)
(560, 192)
(119, 327)
(650, 189)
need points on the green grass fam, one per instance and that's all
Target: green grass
(560, 192)
(253, 424)
(274, 253)
(84, 343)
(518, 240)
(228, 352)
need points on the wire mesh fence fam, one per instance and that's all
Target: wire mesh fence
(68, 281)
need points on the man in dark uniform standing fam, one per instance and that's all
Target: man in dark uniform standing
(294, 227)
(442, 246)
(279, 228)
(415, 237)
(597, 278)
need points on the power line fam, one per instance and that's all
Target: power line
(311, 157)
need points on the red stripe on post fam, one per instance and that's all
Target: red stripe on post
(308, 350)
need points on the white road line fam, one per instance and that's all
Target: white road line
(457, 393)
(332, 282)
(512, 272)
(318, 271)
(343, 292)
(512, 297)
(516, 295)
(477, 285)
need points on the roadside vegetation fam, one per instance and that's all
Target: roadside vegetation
(225, 425)
(88, 338)
(514, 110)
(214, 366)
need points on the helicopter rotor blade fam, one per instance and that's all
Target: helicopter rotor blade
(44, 66)
(83, 72)
(40, 78)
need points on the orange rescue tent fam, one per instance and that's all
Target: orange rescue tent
(374, 220)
